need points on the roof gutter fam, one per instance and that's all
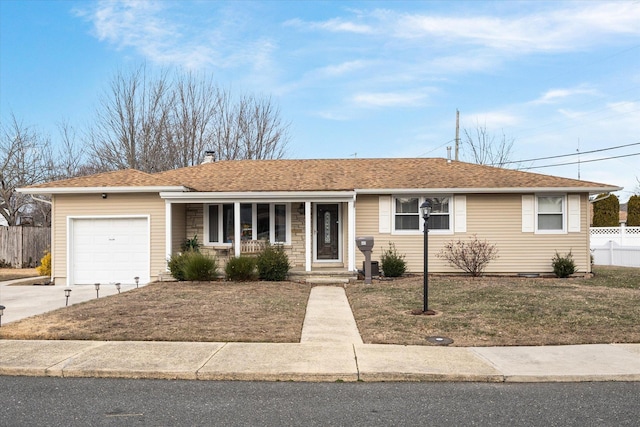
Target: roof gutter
(508, 190)
(86, 190)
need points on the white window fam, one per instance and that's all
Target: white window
(550, 214)
(258, 221)
(407, 216)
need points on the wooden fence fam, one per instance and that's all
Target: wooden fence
(23, 247)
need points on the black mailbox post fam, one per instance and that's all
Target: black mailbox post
(365, 244)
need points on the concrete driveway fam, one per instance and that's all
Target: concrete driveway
(25, 301)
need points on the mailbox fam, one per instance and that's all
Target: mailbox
(365, 244)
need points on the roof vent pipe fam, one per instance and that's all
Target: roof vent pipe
(448, 154)
(209, 157)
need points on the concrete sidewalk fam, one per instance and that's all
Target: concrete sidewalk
(331, 349)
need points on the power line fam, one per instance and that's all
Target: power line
(568, 155)
(582, 161)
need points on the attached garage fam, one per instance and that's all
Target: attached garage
(108, 250)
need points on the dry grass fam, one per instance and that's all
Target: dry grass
(17, 273)
(186, 311)
(492, 311)
(474, 312)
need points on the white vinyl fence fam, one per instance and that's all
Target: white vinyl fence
(616, 246)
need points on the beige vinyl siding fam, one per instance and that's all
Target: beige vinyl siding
(494, 217)
(179, 227)
(93, 205)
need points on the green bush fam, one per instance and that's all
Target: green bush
(191, 244)
(176, 266)
(393, 264)
(200, 267)
(273, 264)
(633, 211)
(563, 266)
(241, 269)
(193, 266)
(606, 211)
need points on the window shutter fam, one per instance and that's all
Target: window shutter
(574, 213)
(384, 214)
(528, 214)
(460, 212)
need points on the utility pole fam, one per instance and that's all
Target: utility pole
(457, 133)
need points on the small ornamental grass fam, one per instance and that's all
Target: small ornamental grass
(273, 264)
(193, 266)
(393, 264)
(241, 269)
(563, 266)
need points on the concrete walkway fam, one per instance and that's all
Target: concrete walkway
(332, 354)
(329, 318)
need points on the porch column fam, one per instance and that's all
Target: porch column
(308, 240)
(351, 235)
(168, 248)
(236, 229)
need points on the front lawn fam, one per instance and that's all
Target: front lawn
(473, 312)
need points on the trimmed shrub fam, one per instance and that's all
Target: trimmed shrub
(563, 266)
(633, 211)
(44, 269)
(472, 256)
(241, 269)
(392, 263)
(273, 264)
(606, 212)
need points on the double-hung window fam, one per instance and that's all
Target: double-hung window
(258, 221)
(407, 215)
(550, 217)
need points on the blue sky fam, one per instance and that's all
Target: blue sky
(365, 79)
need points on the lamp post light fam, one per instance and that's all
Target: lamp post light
(137, 279)
(118, 287)
(67, 294)
(97, 285)
(2, 307)
(425, 209)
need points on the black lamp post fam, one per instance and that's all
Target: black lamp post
(2, 307)
(67, 294)
(425, 209)
(137, 279)
(97, 285)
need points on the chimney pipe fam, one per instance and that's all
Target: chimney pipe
(448, 154)
(209, 157)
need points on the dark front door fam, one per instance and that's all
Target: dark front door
(327, 222)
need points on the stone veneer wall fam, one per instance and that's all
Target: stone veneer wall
(295, 251)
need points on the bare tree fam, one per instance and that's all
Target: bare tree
(151, 123)
(26, 159)
(485, 149)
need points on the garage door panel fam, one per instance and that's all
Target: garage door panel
(107, 250)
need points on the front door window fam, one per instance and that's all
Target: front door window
(327, 232)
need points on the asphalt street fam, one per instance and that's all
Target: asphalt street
(42, 401)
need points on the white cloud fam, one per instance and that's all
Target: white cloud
(555, 95)
(335, 25)
(389, 99)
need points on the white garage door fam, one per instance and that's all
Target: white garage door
(106, 250)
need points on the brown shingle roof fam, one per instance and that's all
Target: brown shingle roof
(350, 174)
(328, 175)
(120, 178)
